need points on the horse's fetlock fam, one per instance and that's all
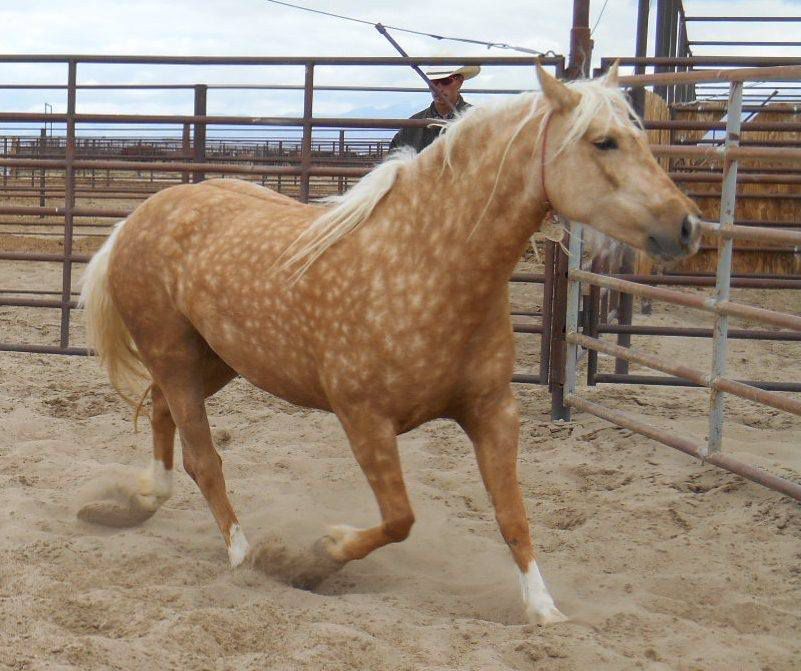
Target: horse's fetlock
(400, 528)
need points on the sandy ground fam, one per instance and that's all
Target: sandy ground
(660, 561)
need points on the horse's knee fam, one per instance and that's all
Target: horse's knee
(398, 529)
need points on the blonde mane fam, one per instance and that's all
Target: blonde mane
(349, 211)
(598, 101)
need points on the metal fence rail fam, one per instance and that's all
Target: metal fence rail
(719, 304)
(190, 158)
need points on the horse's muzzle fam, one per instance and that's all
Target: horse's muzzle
(676, 245)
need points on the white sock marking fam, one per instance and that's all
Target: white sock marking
(238, 547)
(539, 604)
(155, 485)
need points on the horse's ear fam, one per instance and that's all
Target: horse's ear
(560, 96)
(611, 79)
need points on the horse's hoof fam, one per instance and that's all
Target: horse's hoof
(304, 570)
(114, 514)
(337, 544)
(546, 616)
(319, 566)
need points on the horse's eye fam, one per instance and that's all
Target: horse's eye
(606, 144)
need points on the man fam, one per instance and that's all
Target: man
(447, 80)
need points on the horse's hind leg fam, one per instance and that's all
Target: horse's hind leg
(122, 501)
(157, 483)
(184, 378)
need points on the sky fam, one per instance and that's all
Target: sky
(261, 28)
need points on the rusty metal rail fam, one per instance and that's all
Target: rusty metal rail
(189, 157)
(725, 307)
(688, 446)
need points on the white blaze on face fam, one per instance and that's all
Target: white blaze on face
(540, 607)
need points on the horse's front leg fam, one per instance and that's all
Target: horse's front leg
(374, 444)
(493, 424)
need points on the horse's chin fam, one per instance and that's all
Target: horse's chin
(671, 254)
(599, 245)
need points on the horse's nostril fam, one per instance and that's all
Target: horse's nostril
(687, 234)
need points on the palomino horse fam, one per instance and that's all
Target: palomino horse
(390, 308)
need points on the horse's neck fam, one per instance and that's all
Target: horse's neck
(477, 214)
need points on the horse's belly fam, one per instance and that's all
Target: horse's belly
(277, 362)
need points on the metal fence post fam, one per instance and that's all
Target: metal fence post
(593, 316)
(547, 312)
(728, 202)
(42, 154)
(69, 205)
(186, 152)
(557, 340)
(199, 139)
(641, 51)
(572, 310)
(306, 147)
(681, 52)
(661, 41)
(578, 66)
(625, 312)
(340, 179)
(624, 301)
(673, 31)
(280, 153)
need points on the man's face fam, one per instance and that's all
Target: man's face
(448, 88)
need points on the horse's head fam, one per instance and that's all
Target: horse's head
(599, 170)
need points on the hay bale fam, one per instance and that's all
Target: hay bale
(747, 208)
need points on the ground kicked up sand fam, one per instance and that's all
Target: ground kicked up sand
(660, 561)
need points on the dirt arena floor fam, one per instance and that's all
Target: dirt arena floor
(661, 562)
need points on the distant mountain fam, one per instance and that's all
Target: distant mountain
(398, 111)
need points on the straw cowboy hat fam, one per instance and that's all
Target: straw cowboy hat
(442, 71)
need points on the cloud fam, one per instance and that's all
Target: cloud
(260, 28)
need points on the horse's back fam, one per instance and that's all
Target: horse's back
(207, 232)
(187, 218)
(238, 186)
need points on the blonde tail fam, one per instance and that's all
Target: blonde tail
(107, 335)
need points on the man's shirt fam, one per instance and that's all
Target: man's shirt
(420, 138)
